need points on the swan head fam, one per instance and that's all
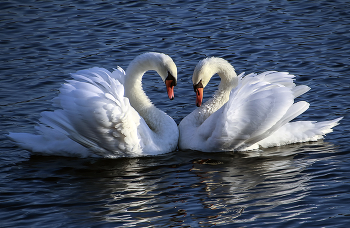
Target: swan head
(201, 76)
(161, 63)
(167, 70)
(206, 69)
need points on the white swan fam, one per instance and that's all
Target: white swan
(107, 114)
(247, 112)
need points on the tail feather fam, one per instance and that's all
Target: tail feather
(297, 132)
(50, 142)
(327, 126)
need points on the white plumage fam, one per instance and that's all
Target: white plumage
(102, 113)
(247, 112)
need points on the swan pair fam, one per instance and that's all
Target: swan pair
(102, 113)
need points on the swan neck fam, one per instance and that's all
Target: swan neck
(229, 80)
(133, 86)
(228, 77)
(134, 91)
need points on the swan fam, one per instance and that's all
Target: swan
(107, 114)
(247, 112)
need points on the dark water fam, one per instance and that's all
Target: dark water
(301, 185)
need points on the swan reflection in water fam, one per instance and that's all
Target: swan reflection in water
(194, 187)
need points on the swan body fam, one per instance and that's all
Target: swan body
(247, 112)
(107, 114)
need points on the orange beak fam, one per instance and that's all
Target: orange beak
(170, 88)
(199, 98)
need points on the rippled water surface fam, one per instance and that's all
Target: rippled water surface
(301, 185)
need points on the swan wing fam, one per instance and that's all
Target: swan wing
(94, 113)
(257, 107)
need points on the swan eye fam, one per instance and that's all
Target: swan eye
(198, 85)
(171, 78)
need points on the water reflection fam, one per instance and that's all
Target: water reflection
(180, 188)
(188, 187)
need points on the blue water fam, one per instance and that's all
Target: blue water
(300, 185)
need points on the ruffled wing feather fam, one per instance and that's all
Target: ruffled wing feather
(257, 107)
(93, 115)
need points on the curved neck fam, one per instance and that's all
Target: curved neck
(133, 88)
(228, 81)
